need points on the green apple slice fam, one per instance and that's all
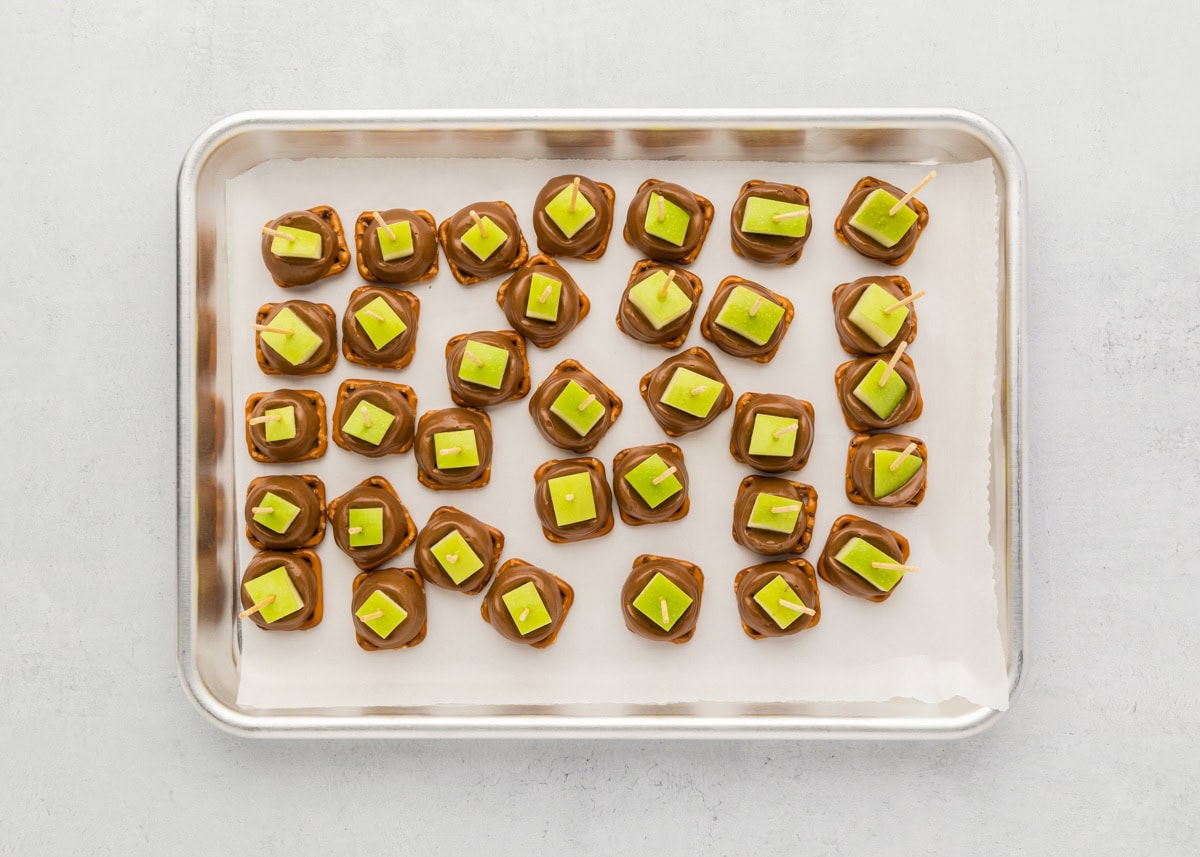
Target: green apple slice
(380, 322)
(483, 364)
(567, 220)
(400, 247)
(277, 586)
(774, 513)
(874, 220)
(750, 315)
(526, 608)
(379, 602)
(281, 423)
(570, 407)
(304, 244)
(673, 224)
(294, 347)
(366, 527)
(454, 554)
(483, 243)
(368, 423)
(888, 481)
(691, 392)
(859, 556)
(870, 315)
(658, 306)
(455, 449)
(759, 218)
(281, 515)
(779, 601)
(774, 436)
(572, 498)
(884, 400)
(662, 601)
(652, 482)
(544, 296)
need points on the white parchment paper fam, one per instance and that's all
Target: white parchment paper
(937, 637)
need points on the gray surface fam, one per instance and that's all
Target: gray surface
(101, 751)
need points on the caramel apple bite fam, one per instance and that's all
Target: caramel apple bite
(573, 217)
(773, 516)
(650, 484)
(864, 559)
(572, 499)
(286, 425)
(282, 590)
(482, 241)
(745, 319)
(542, 302)
(660, 599)
(457, 551)
(285, 512)
(295, 338)
(527, 604)
(453, 449)
(873, 315)
(487, 368)
(659, 303)
(772, 432)
(878, 394)
(374, 418)
(867, 224)
(573, 409)
(887, 470)
(379, 328)
(370, 524)
(396, 246)
(770, 222)
(388, 609)
(777, 598)
(686, 392)
(301, 247)
(668, 222)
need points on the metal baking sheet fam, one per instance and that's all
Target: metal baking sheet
(207, 644)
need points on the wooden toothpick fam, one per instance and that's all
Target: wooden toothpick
(698, 389)
(479, 222)
(787, 429)
(662, 477)
(266, 328)
(662, 290)
(383, 224)
(275, 233)
(799, 608)
(908, 450)
(262, 510)
(470, 355)
(266, 418)
(662, 208)
(791, 507)
(574, 195)
(256, 606)
(904, 301)
(755, 307)
(591, 397)
(789, 215)
(570, 498)
(891, 366)
(904, 199)
(524, 615)
(545, 295)
(895, 566)
(354, 531)
(666, 614)
(452, 558)
(450, 450)
(366, 416)
(370, 617)
(372, 314)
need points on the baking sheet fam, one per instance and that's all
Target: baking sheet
(935, 639)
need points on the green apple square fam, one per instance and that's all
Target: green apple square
(887, 480)
(281, 425)
(764, 517)
(659, 307)
(572, 498)
(486, 242)
(760, 214)
(371, 426)
(871, 317)
(455, 556)
(369, 524)
(487, 367)
(570, 222)
(278, 586)
(526, 608)
(691, 392)
(379, 602)
(873, 219)
(380, 322)
(673, 226)
(750, 315)
(304, 244)
(455, 449)
(882, 400)
(859, 555)
(400, 247)
(779, 601)
(648, 480)
(281, 515)
(544, 295)
(774, 435)
(294, 347)
(570, 408)
(662, 602)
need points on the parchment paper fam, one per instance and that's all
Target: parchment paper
(935, 639)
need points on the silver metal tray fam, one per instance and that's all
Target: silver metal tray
(207, 641)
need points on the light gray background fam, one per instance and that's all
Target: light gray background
(99, 750)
